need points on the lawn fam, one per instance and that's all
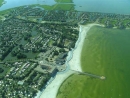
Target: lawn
(105, 52)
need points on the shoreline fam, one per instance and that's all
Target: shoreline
(78, 50)
(73, 58)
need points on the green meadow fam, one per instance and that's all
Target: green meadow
(57, 6)
(64, 1)
(1, 2)
(105, 52)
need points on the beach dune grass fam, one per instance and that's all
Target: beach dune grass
(105, 52)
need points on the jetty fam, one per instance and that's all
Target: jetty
(91, 75)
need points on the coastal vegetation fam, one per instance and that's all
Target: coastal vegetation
(5, 12)
(1, 2)
(64, 1)
(66, 7)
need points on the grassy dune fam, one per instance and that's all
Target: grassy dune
(105, 52)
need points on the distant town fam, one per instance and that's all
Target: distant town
(34, 44)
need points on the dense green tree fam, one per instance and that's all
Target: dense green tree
(55, 43)
(13, 53)
(1, 70)
(56, 53)
(60, 45)
(72, 45)
(38, 44)
(62, 50)
(42, 50)
(21, 56)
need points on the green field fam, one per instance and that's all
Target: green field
(105, 52)
(1, 2)
(64, 1)
(58, 7)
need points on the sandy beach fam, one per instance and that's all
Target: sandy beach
(52, 89)
(75, 61)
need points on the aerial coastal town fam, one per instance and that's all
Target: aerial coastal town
(31, 51)
(34, 44)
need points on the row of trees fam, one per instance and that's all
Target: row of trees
(18, 54)
(6, 52)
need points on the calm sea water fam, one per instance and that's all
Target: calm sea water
(106, 6)
(16, 3)
(107, 52)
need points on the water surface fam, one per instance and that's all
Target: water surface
(105, 6)
(16, 3)
(107, 52)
